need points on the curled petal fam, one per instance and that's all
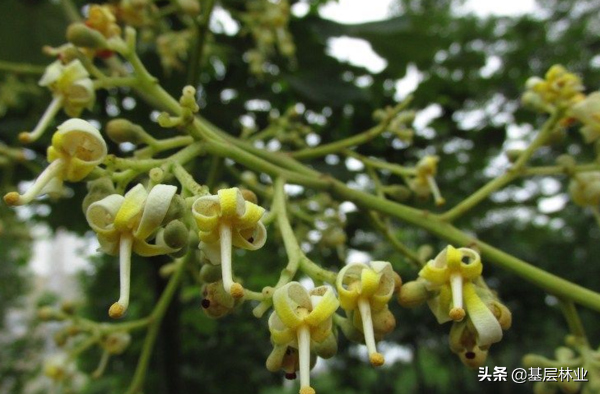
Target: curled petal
(101, 214)
(440, 305)
(132, 206)
(347, 284)
(287, 300)
(369, 282)
(473, 269)
(280, 333)
(52, 73)
(232, 203)
(485, 323)
(386, 287)
(250, 217)
(72, 72)
(434, 275)
(326, 306)
(145, 249)
(206, 212)
(212, 252)
(155, 209)
(80, 145)
(255, 240)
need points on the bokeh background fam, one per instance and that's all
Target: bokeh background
(466, 63)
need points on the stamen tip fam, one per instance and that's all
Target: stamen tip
(457, 314)
(25, 137)
(116, 311)
(12, 198)
(440, 201)
(236, 290)
(377, 359)
(307, 390)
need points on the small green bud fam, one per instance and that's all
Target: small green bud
(80, 35)
(176, 210)
(210, 273)
(383, 323)
(326, 349)
(425, 252)
(122, 130)
(46, 313)
(333, 236)
(399, 193)
(249, 196)
(176, 234)
(413, 294)
(349, 328)
(60, 338)
(68, 307)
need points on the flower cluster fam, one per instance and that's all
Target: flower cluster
(559, 89)
(452, 285)
(126, 223)
(226, 220)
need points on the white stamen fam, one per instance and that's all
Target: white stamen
(456, 282)
(439, 200)
(45, 177)
(304, 355)
(367, 321)
(226, 272)
(49, 114)
(125, 245)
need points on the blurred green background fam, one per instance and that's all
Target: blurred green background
(472, 71)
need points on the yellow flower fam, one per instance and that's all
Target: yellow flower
(587, 111)
(559, 88)
(77, 148)
(451, 274)
(72, 90)
(302, 320)
(365, 291)
(424, 183)
(102, 19)
(227, 220)
(124, 224)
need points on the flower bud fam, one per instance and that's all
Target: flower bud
(116, 342)
(122, 130)
(349, 329)
(190, 7)
(503, 314)
(68, 307)
(176, 234)
(210, 273)
(326, 349)
(383, 323)
(46, 313)
(399, 193)
(249, 196)
(56, 367)
(513, 155)
(97, 190)
(176, 210)
(413, 294)
(333, 236)
(80, 35)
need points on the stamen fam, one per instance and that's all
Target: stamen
(364, 307)
(457, 313)
(14, 198)
(304, 359)
(235, 289)
(439, 200)
(119, 308)
(49, 114)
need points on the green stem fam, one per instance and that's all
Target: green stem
(187, 181)
(70, 10)
(359, 139)
(21, 68)
(573, 320)
(156, 317)
(199, 44)
(384, 229)
(507, 177)
(395, 169)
